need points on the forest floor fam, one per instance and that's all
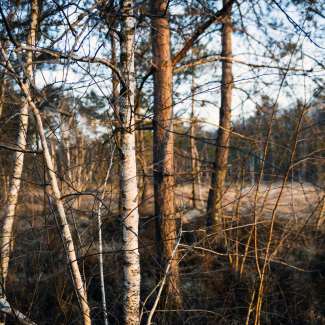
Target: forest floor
(298, 202)
(208, 279)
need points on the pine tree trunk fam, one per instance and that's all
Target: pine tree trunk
(131, 299)
(7, 226)
(166, 225)
(222, 142)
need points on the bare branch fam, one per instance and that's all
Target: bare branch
(147, 59)
(187, 45)
(237, 61)
(75, 58)
(20, 150)
(7, 309)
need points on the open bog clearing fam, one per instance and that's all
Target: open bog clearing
(298, 200)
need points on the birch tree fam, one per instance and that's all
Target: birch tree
(7, 226)
(131, 261)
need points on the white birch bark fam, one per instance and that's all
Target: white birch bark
(5, 308)
(131, 297)
(14, 187)
(65, 128)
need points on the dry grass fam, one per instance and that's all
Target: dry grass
(213, 292)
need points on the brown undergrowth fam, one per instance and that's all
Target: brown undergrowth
(218, 273)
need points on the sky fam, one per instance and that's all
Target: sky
(263, 82)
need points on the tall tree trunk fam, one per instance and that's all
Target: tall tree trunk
(7, 226)
(115, 99)
(222, 142)
(166, 223)
(131, 299)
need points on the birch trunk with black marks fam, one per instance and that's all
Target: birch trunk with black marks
(131, 261)
(223, 136)
(11, 205)
(166, 223)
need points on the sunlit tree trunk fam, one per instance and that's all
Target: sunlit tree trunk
(222, 142)
(115, 100)
(7, 226)
(166, 224)
(131, 261)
